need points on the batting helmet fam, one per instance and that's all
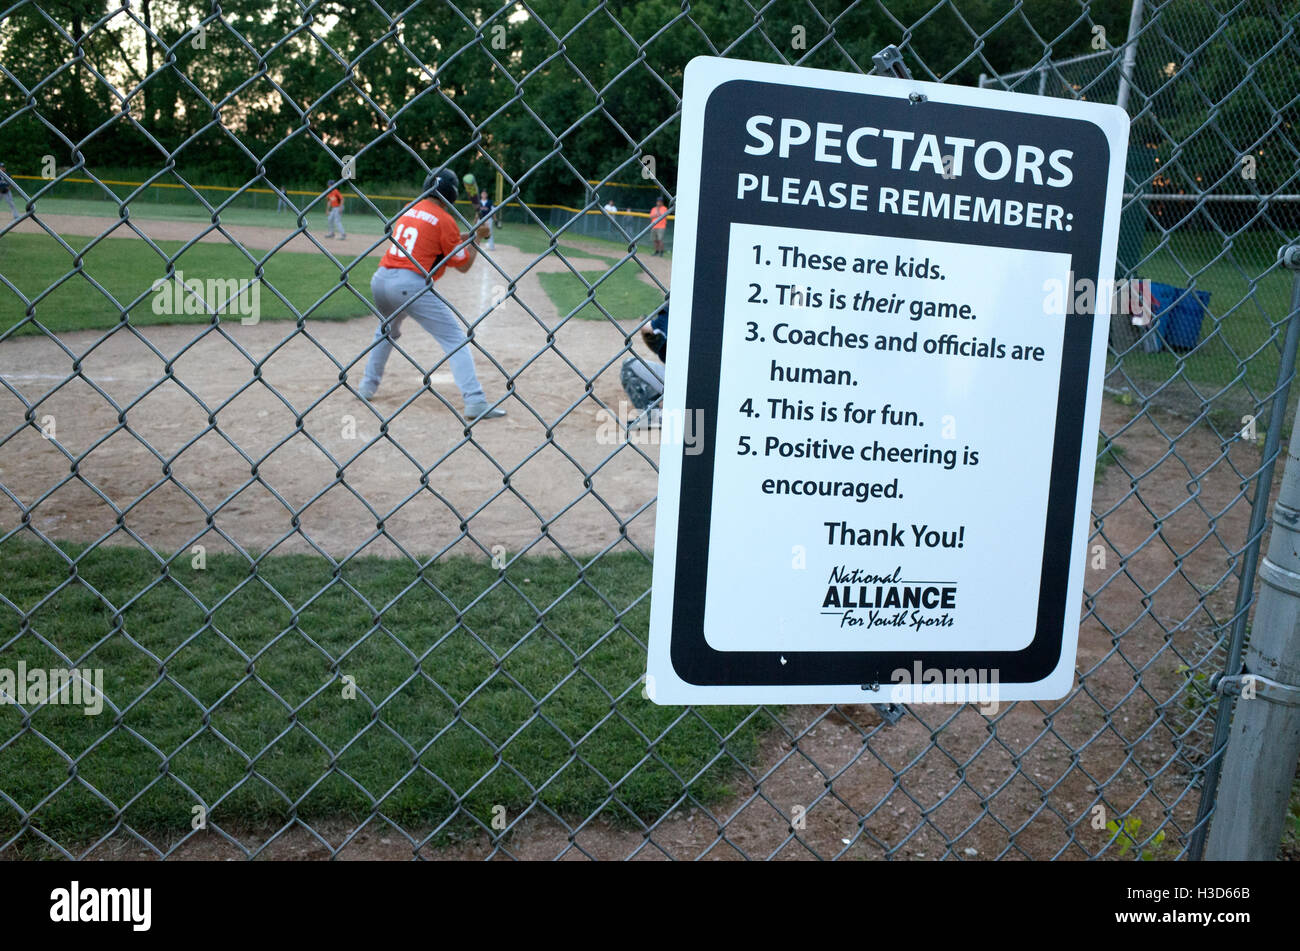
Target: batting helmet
(444, 184)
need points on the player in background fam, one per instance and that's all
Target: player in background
(485, 215)
(5, 192)
(611, 212)
(659, 217)
(335, 202)
(423, 240)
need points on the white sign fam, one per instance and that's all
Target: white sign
(889, 309)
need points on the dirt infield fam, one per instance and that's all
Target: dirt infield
(543, 476)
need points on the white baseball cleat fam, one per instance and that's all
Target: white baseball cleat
(367, 390)
(481, 411)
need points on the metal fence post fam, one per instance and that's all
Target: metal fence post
(1264, 743)
(1130, 55)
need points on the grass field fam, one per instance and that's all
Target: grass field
(231, 693)
(624, 293)
(310, 282)
(1247, 306)
(621, 291)
(127, 269)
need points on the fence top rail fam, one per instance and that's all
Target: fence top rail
(1156, 196)
(1044, 64)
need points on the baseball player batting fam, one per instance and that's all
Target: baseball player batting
(423, 240)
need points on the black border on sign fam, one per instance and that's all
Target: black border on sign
(729, 104)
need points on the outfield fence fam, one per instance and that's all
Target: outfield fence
(243, 678)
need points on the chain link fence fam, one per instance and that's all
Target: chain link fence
(244, 612)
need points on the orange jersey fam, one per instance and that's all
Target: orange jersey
(661, 222)
(335, 198)
(424, 236)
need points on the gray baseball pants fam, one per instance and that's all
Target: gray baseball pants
(400, 293)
